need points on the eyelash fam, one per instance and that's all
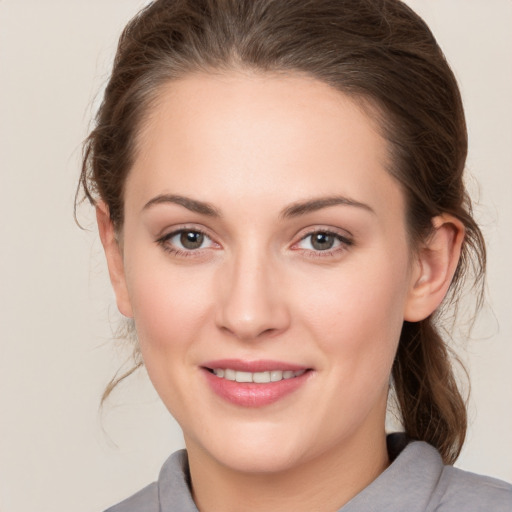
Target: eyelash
(186, 253)
(345, 243)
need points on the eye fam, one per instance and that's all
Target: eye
(189, 239)
(323, 241)
(185, 241)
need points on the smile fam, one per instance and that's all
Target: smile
(256, 377)
(255, 383)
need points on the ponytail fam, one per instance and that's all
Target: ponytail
(427, 394)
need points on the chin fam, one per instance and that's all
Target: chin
(259, 448)
(244, 459)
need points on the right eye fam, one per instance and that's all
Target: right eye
(185, 241)
(189, 239)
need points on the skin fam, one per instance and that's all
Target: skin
(252, 147)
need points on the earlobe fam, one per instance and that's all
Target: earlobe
(114, 258)
(436, 263)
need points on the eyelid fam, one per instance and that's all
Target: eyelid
(343, 236)
(165, 236)
(338, 232)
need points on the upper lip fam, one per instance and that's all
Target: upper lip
(253, 366)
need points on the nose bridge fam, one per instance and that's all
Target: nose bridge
(252, 302)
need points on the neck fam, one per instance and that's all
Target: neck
(325, 483)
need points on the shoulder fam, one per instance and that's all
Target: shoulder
(462, 490)
(170, 493)
(146, 500)
(444, 488)
(418, 481)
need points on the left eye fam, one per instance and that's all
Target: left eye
(321, 241)
(188, 239)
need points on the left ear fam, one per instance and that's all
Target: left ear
(437, 260)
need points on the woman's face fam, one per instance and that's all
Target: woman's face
(264, 241)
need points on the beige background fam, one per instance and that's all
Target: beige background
(56, 452)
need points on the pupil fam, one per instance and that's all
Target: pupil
(191, 239)
(322, 241)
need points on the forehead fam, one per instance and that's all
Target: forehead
(253, 135)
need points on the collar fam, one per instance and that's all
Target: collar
(407, 484)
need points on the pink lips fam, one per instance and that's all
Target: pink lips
(249, 394)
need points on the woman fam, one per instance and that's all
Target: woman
(279, 193)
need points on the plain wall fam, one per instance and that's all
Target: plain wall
(57, 453)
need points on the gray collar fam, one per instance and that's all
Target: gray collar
(407, 484)
(409, 481)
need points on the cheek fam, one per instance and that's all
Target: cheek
(169, 304)
(170, 310)
(358, 322)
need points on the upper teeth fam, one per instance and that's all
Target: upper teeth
(258, 377)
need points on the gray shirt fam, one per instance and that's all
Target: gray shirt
(416, 481)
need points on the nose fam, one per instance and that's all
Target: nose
(252, 302)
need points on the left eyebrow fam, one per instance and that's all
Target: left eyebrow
(313, 205)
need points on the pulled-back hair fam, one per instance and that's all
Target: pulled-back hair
(380, 53)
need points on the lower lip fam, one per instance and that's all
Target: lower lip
(249, 394)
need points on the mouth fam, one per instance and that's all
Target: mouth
(257, 377)
(254, 384)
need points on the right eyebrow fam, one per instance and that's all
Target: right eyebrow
(190, 204)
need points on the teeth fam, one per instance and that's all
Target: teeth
(261, 377)
(243, 377)
(258, 377)
(276, 375)
(229, 374)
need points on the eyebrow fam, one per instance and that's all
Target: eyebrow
(190, 204)
(294, 210)
(313, 205)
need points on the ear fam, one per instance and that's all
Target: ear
(434, 268)
(114, 258)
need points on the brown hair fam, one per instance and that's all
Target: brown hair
(377, 51)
